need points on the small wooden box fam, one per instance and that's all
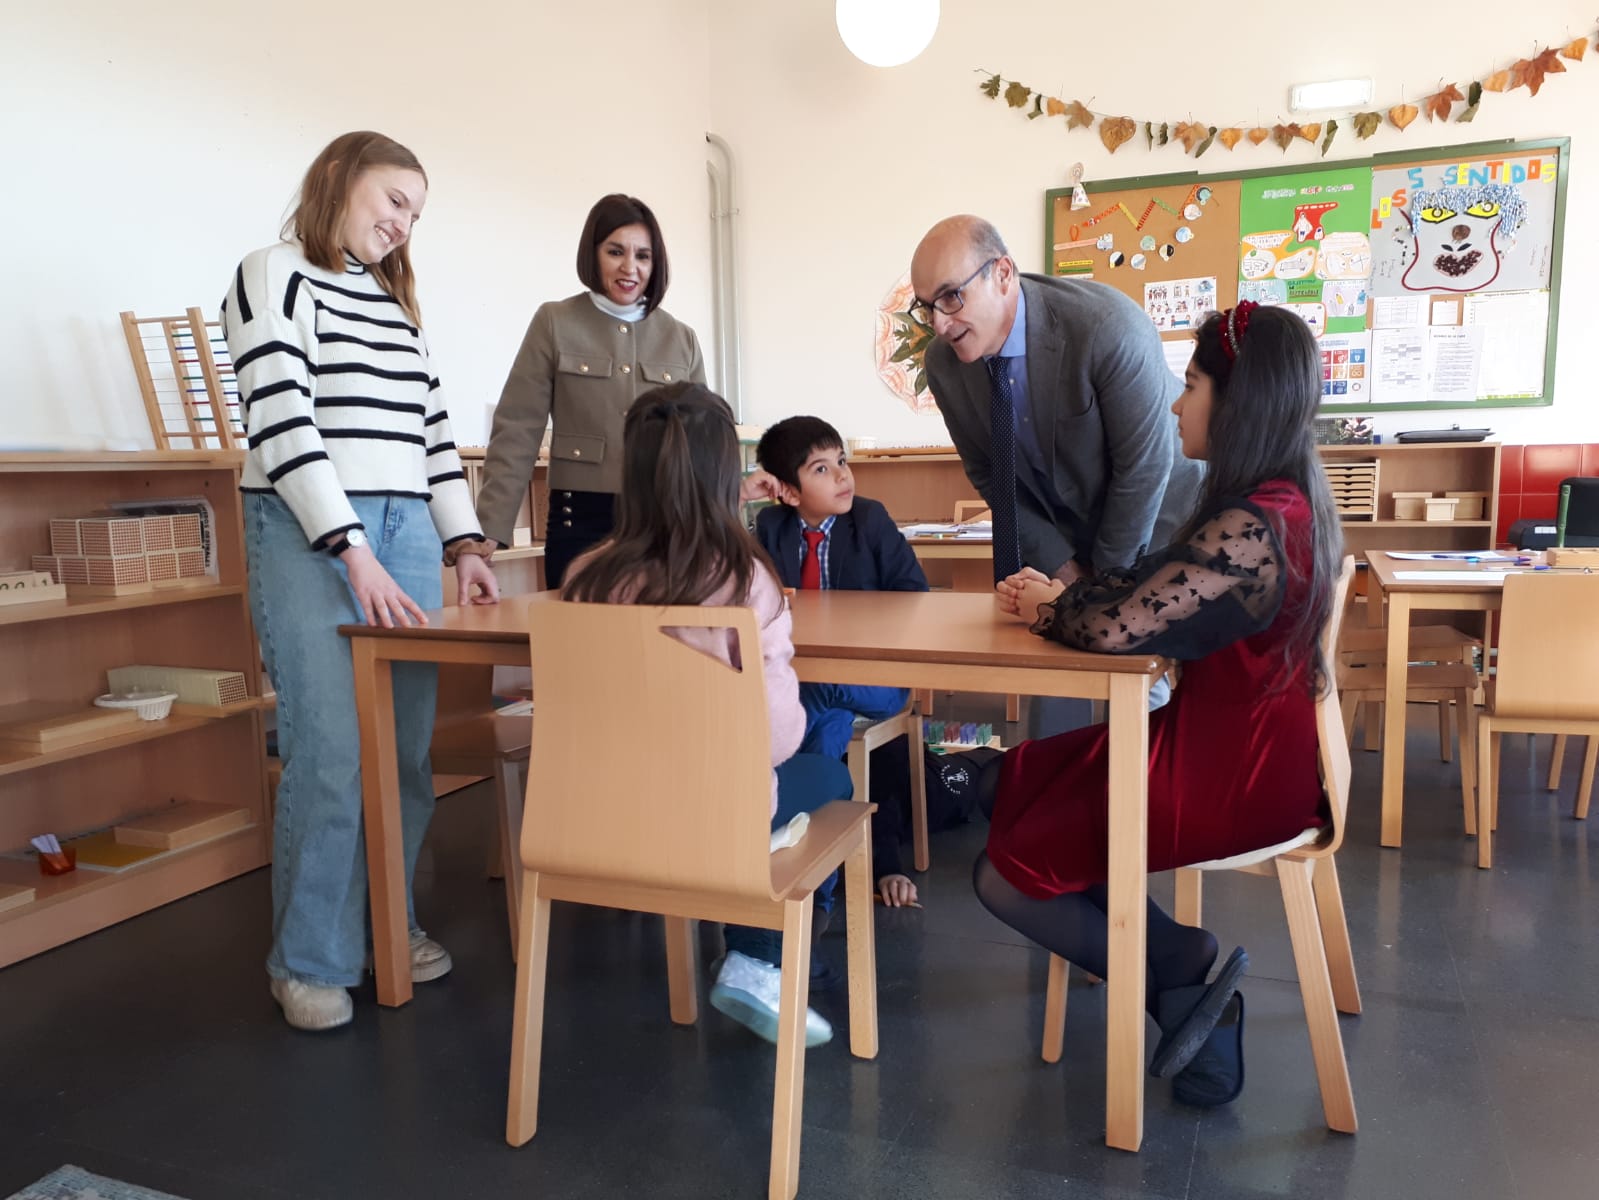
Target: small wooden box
(1411, 506)
(1354, 489)
(111, 536)
(1472, 507)
(53, 726)
(181, 825)
(1572, 556)
(1440, 508)
(14, 895)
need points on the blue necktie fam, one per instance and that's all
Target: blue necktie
(1002, 474)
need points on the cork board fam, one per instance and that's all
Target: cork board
(1155, 244)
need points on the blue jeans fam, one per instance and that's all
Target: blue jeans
(298, 599)
(831, 709)
(804, 783)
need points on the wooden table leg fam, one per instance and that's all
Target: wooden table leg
(380, 806)
(1127, 886)
(1372, 739)
(1393, 749)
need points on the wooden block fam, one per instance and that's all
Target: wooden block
(163, 567)
(158, 533)
(111, 536)
(1572, 556)
(34, 594)
(181, 825)
(14, 895)
(1440, 508)
(115, 570)
(53, 726)
(64, 536)
(191, 562)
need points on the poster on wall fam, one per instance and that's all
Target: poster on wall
(1479, 226)
(1345, 367)
(1303, 244)
(1179, 304)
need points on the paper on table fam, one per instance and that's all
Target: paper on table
(1455, 555)
(930, 529)
(1487, 577)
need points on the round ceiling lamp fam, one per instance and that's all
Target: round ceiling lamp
(886, 33)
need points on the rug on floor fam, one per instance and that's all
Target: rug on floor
(74, 1183)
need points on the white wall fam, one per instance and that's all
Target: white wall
(147, 147)
(844, 166)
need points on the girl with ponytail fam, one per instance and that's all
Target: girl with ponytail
(678, 540)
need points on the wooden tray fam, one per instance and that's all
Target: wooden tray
(53, 726)
(181, 825)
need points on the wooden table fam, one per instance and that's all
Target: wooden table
(898, 639)
(1451, 592)
(961, 564)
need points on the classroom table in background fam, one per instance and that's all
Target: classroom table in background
(1410, 586)
(963, 564)
(900, 639)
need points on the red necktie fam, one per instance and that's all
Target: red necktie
(811, 568)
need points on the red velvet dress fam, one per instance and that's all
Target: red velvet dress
(1233, 761)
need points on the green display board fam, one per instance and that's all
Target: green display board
(1429, 276)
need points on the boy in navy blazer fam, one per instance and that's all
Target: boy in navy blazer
(822, 535)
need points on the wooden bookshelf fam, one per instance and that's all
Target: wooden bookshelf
(59, 651)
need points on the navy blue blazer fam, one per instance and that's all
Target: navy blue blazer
(866, 552)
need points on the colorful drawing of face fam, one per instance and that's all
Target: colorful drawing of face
(1456, 234)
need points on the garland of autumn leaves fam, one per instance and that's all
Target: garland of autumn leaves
(1197, 136)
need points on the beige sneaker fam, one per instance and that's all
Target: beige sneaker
(312, 1007)
(429, 960)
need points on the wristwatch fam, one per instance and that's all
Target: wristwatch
(352, 537)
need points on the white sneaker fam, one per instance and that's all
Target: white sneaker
(429, 960)
(749, 991)
(311, 1006)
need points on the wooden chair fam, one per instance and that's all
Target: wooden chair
(1546, 681)
(868, 737)
(1312, 899)
(1589, 760)
(675, 819)
(1429, 645)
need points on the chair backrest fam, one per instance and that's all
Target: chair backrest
(1548, 663)
(971, 510)
(651, 760)
(1334, 746)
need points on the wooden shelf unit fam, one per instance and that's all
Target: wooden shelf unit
(59, 652)
(1435, 467)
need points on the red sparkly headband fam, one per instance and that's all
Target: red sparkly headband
(1235, 326)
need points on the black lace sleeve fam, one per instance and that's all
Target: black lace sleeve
(1193, 598)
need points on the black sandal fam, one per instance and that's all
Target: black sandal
(1186, 1016)
(1216, 1075)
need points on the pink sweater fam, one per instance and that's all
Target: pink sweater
(784, 714)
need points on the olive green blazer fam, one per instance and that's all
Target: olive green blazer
(578, 371)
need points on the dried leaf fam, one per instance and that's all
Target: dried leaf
(1533, 70)
(1332, 131)
(1054, 107)
(1284, 135)
(1575, 50)
(1115, 131)
(1189, 133)
(1499, 81)
(1310, 132)
(1259, 134)
(1149, 135)
(1016, 94)
(1205, 145)
(1229, 137)
(990, 87)
(1038, 107)
(1403, 114)
(1366, 124)
(1439, 104)
(1473, 99)
(1163, 134)
(1078, 116)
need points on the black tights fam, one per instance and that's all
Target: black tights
(1074, 926)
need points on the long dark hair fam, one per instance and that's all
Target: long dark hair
(608, 215)
(1263, 405)
(678, 539)
(316, 216)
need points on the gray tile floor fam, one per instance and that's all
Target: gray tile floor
(152, 1052)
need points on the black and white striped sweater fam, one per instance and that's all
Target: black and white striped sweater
(337, 396)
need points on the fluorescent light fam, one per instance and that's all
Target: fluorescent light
(1335, 93)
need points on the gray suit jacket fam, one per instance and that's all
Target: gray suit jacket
(1096, 377)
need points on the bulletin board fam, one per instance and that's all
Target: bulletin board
(1428, 277)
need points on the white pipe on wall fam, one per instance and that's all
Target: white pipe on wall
(724, 267)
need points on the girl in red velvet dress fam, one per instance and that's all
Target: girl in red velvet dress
(1240, 598)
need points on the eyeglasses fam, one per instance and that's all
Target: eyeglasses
(949, 303)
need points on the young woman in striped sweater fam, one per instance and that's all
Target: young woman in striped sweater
(352, 486)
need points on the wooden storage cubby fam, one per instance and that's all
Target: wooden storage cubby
(1431, 467)
(60, 650)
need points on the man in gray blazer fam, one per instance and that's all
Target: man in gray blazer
(1099, 474)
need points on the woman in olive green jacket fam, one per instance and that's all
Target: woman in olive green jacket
(583, 362)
